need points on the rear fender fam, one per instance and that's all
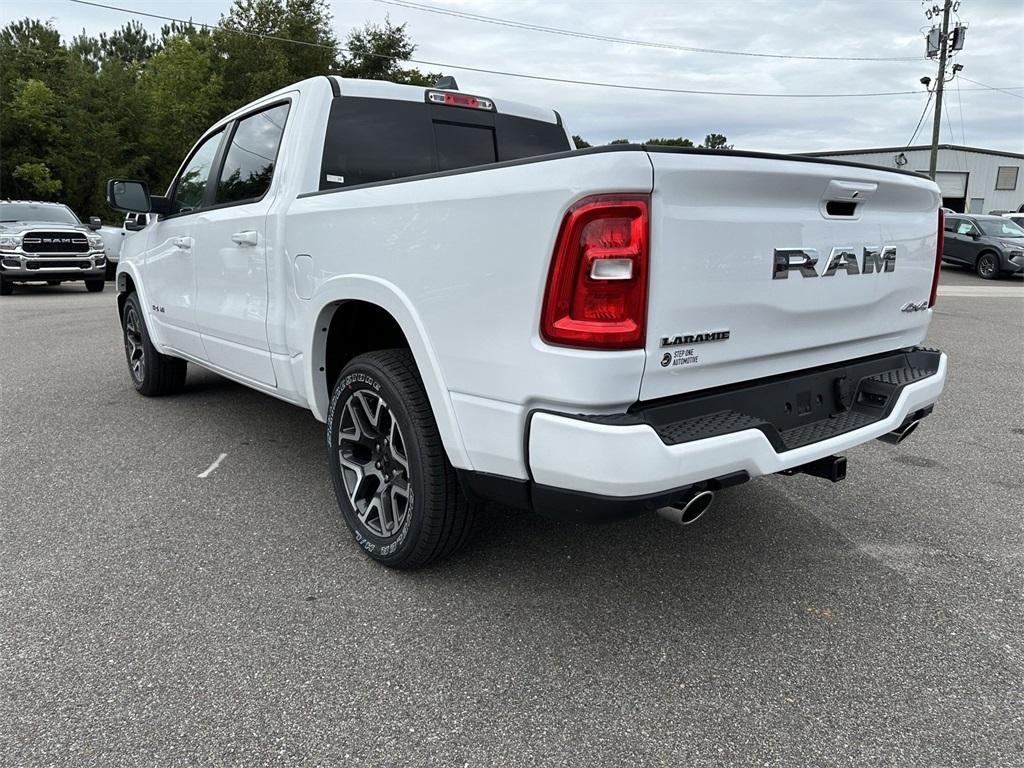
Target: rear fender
(325, 302)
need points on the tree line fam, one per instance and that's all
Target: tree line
(711, 141)
(130, 103)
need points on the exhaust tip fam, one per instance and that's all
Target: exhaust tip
(899, 435)
(690, 512)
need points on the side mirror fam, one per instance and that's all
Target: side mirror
(95, 223)
(976, 235)
(132, 196)
(132, 224)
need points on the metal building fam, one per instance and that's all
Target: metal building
(972, 180)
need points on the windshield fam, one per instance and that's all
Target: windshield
(37, 212)
(1000, 228)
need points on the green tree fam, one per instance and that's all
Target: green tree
(36, 180)
(31, 139)
(181, 95)
(715, 141)
(580, 142)
(130, 103)
(374, 51)
(619, 141)
(131, 44)
(259, 60)
(679, 142)
(30, 49)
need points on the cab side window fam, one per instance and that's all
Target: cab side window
(249, 164)
(190, 187)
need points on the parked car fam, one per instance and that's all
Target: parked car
(112, 238)
(990, 245)
(46, 242)
(479, 312)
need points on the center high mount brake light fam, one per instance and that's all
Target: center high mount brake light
(450, 99)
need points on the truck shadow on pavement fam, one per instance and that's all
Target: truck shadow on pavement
(752, 539)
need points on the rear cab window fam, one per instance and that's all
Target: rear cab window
(371, 140)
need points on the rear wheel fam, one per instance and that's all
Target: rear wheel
(95, 286)
(987, 266)
(396, 489)
(153, 374)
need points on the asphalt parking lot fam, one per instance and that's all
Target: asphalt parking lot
(153, 617)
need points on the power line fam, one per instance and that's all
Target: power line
(625, 40)
(960, 104)
(921, 121)
(993, 88)
(952, 136)
(482, 70)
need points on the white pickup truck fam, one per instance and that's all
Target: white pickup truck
(478, 312)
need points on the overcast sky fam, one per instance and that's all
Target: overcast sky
(873, 28)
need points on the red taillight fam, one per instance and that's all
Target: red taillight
(938, 258)
(596, 295)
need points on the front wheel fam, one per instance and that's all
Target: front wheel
(95, 286)
(153, 374)
(396, 489)
(987, 266)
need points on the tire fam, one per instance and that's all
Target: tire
(53, 282)
(382, 441)
(95, 286)
(152, 373)
(6, 287)
(987, 266)
(111, 270)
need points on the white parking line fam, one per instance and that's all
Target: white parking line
(982, 291)
(206, 472)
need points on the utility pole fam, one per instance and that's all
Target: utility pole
(940, 81)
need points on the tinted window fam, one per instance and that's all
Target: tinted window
(37, 212)
(191, 184)
(379, 139)
(1003, 228)
(519, 137)
(964, 227)
(376, 139)
(951, 223)
(249, 163)
(460, 146)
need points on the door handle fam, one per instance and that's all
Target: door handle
(248, 237)
(185, 243)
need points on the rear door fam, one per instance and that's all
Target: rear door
(232, 249)
(969, 238)
(762, 265)
(953, 243)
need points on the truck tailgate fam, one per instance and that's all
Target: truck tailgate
(719, 309)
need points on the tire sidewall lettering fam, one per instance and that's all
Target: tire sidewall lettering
(351, 383)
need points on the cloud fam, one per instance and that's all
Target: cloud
(822, 27)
